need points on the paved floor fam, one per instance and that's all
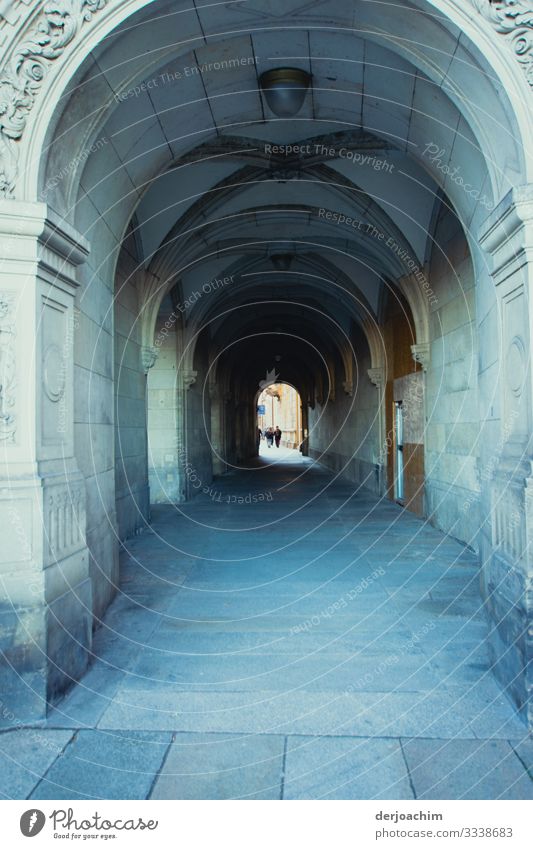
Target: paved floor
(283, 636)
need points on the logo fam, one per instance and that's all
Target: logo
(32, 822)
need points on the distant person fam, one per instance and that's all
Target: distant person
(269, 435)
(259, 434)
(277, 436)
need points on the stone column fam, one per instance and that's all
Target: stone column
(377, 377)
(46, 610)
(217, 429)
(507, 535)
(191, 477)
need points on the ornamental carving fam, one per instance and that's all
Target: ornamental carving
(54, 373)
(422, 354)
(22, 77)
(189, 378)
(7, 368)
(376, 376)
(149, 354)
(516, 366)
(514, 19)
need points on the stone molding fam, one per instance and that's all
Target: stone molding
(503, 235)
(513, 19)
(10, 11)
(22, 77)
(8, 378)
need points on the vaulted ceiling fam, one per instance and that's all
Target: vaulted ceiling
(189, 151)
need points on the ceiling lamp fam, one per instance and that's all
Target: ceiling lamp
(285, 90)
(282, 262)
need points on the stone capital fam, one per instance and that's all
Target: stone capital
(189, 378)
(149, 355)
(507, 233)
(377, 376)
(348, 387)
(421, 354)
(33, 238)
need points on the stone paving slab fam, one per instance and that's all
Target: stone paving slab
(466, 769)
(218, 766)
(524, 750)
(373, 623)
(83, 706)
(25, 755)
(105, 765)
(345, 768)
(197, 606)
(299, 712)
(213, 642)
(366, 671)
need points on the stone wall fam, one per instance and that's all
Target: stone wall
(131, 471)
(94, 429)
(452, 429)
(344, 433)
(166, 473)
(197, 405)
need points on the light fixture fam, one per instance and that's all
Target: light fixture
(282, 262)
(285, 90)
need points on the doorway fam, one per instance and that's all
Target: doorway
(399, 490)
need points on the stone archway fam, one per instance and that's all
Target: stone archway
(46, 279)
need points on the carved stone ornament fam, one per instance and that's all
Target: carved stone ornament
(512, 18)
(54, 373)
(189, 378)
(8, 381)
(516, 366)
(149, 355)
(421, 354)
(376, 375)
(21, 78)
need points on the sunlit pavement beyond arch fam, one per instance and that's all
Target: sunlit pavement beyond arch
(284, 636)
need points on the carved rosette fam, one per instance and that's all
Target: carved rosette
(514, 19)
(8, 380)
(21, 78)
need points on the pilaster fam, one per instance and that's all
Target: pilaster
(507, 236)
(377, 376)
(46, 614)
